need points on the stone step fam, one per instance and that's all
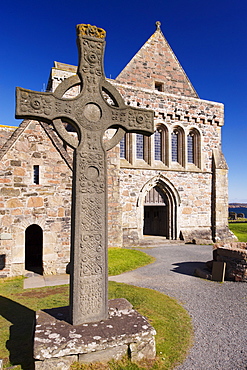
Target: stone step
(150, 240)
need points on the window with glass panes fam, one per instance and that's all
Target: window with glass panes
(157, 145)
(139, 146)
(190, 148)
(175, 146)
(123, 147)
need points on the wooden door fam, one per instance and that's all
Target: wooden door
(156, 213)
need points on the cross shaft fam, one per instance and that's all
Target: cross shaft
(91, 115)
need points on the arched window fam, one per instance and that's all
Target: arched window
(139, 146)
(175, 146)
(178, 146)
(194, 147)
(158, 145)
(126, 144)
(191, 148)
(123, 147)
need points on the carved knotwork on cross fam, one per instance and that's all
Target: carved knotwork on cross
(91, 115)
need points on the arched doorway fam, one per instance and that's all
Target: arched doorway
(34, 249)
(156, 213)
(159, 192)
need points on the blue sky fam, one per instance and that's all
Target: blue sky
(208, 37)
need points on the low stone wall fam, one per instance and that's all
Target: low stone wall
(235, 256)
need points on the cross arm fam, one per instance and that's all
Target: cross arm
(133, 119)
(128, 119)
(41, 105)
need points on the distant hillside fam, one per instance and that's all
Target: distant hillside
(237, 205)
(238, 208)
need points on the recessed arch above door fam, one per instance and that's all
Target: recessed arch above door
(156, 213)
(158, 208)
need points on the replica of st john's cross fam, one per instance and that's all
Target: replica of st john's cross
(96, 108)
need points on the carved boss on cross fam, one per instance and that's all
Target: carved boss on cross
(91, 114)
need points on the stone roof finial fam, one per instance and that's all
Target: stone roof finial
(158, 24)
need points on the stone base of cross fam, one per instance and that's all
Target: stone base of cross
(125, 332)
(91, 115)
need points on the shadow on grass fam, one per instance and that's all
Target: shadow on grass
(188, 268)
(20, 343)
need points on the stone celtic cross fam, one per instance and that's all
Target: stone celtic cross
(95, 109)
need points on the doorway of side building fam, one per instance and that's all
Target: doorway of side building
(34, 249)
(156, 213)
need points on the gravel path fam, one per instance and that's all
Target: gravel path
(218, 311)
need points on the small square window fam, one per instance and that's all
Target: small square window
(159, 86)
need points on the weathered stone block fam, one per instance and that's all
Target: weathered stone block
(10, 192)
(5, 236)
(15, 163)
(35, 202)
(232, 253)
(14, 203)
(17, 269)
(187, 210)
(7, 220)
(130, 237)
(142, 350)
(115, 353)
(56, 338)
(235, 257)
(19, 171)
(196, 235)
(36, 155)
(16, 212)
(62, 363)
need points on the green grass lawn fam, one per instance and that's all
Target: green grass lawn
(240, 230)
(18, 306)
(121, 260)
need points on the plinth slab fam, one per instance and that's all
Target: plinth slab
(124, 331)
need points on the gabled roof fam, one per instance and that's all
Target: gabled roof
(12, 139)
(5, 133)
(50, 133)
(156, 66)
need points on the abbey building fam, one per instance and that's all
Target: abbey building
(172, 184)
